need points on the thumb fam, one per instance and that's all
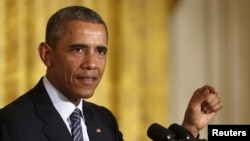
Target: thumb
(201, 95)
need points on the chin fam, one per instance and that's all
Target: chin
(86, 95)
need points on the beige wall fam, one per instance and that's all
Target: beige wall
(210, 44)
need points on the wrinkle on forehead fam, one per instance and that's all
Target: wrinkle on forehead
(87, 32)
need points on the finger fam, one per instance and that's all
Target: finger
(212, 99)
(210, 88)
(202, 95)
(211, 95)
(214, 108)
(214, 105)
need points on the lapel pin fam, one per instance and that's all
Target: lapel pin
(98, 130)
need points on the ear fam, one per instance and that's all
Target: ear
(45, 52)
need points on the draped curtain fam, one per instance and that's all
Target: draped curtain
(134, 86)
(210, 45)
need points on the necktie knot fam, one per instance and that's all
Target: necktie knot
(76, 115)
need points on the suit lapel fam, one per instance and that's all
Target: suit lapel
(94, 131)
(54, 126)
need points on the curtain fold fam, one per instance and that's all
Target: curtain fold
(134, 85)
(216, 53)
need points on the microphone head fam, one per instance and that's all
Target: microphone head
(159, 133)
(180, 132)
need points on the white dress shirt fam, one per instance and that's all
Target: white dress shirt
(64, 106)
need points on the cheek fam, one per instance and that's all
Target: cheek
(102, 63)
(65, 66)
(102, 67)
(70, 67)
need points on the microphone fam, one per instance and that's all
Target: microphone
(181, 133)
(159, 133)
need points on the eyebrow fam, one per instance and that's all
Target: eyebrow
(77, 45)
(85, 46)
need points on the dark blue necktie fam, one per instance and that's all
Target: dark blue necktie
(76, 127)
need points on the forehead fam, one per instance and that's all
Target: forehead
(78, 26)
(78, 31)
(85, 28)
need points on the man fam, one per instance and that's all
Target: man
(75, 53)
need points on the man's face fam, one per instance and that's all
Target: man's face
(78, 60)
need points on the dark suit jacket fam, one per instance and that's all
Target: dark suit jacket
(32, 117)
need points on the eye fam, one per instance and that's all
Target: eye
(102, 50)
(78, 49)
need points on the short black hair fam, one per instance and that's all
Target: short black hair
(56, 25)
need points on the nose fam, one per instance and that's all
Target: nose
(89, 62)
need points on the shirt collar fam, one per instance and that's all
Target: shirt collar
(60, 102)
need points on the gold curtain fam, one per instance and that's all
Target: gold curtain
(134, 86)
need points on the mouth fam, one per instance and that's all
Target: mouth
(87, 80)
